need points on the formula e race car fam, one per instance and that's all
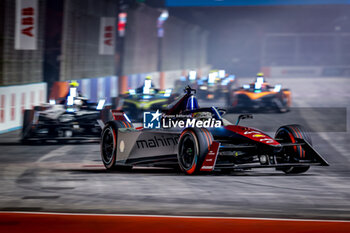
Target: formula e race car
(73, 119)
(260, 97)
(201, 140)
(217, 85)
(145, 98)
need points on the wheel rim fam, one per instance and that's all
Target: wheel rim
(188, 152)
(108, 146)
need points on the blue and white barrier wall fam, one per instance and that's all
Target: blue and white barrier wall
(98, 88)
(15, 99)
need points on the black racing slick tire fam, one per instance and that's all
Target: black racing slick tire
(28, 117)
(194, 144)
(109, 144)
(288, 134)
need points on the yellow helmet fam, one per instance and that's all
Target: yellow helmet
(260, 74)
(74, 83)
(148, 77)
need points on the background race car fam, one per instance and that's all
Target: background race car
(70, 118)
(145, 98)
(260, 96)
(218, 84)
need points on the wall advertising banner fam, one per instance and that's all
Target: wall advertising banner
(107, 35)
(26, 29)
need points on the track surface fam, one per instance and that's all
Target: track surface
(71, 178)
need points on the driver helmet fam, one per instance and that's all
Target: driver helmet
(74, 83)
(260, 77)
(260, 74)
(73, 88)
(148, 81)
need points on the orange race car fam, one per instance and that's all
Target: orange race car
(260, 96)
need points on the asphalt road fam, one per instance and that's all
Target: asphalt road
(71, 177)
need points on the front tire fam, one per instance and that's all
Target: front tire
(194, 145)
(288, 134)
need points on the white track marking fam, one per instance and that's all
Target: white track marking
(61, 151)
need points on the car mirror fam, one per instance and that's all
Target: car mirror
(244, 116)
(222, 111)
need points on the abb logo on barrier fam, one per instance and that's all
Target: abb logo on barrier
(2, 108)
(28, 21)
(32, 97)
(13, 107)
(107, 35)
(23, 102)
(14, 100)
(26, 24)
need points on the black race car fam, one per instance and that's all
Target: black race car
(204, 142)
(73, 119)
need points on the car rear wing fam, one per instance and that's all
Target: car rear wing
(110, 115)
(119, 115)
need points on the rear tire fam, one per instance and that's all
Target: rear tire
(194, 144)
(288, 134)
(28, 117)
(109, 145)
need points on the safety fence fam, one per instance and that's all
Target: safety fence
(15, 99)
